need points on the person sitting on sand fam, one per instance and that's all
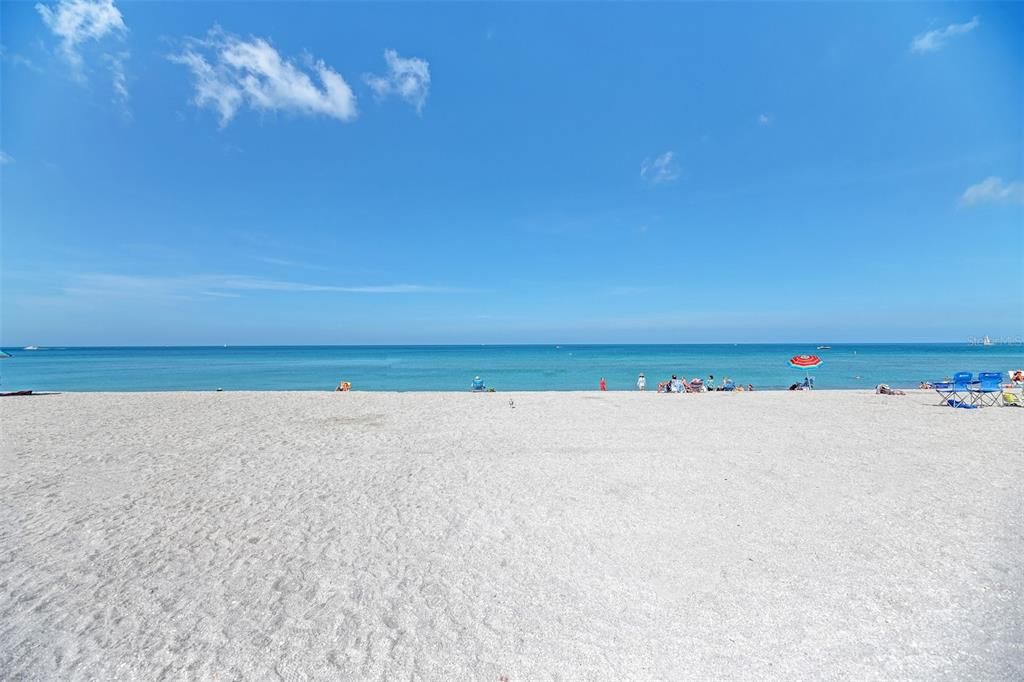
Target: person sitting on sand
(1017, 378)
(925, 385)
(343, 386)
(675, 386)
(478, 385)
(884, 389)
(750, 387)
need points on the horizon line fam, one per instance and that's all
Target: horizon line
(1019, 342)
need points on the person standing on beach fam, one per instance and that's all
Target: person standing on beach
(603, 385)
(641, 383)
(710, 383)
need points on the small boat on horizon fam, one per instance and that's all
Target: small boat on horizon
(986, 341)
(31, 348)
(824, 347)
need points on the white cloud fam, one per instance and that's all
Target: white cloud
(231, 73)
(764, 119)
(993, 189)
(115, 63)
(662, 169)
(935, 40)
(256, 284)
(18, 59)
(406, 78)
(6, 158)
(101, 284)
(290, 263)
(77, 21)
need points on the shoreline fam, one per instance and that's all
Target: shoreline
(356, 391)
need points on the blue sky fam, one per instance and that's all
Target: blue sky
(237, 173)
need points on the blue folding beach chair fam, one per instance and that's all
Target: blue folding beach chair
(956, 392)
(987, 389)
(944, 389)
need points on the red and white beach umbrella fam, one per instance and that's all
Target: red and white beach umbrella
(805, 362)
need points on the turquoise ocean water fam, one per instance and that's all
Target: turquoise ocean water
(450, 368)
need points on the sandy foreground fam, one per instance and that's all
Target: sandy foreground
(453, 536)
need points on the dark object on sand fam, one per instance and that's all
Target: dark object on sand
(16, 393)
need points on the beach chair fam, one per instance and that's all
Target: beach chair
(955, 392)
(987, 389)
(945, 391)
(1011, 400)
(962, 382)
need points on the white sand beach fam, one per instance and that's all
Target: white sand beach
(615, 536)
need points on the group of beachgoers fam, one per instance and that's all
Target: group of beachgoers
(806, 385)
(673, 385)
(679, 384)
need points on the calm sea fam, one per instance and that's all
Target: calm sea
(451, 368)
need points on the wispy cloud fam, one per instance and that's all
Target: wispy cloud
(76, 21)
(408, 78)
(993, 190)
(107, 284)
(284, 262)
(936, 40)
(5, 157)
(764, 119)
(632, 290)
(79, 21)
(231, 72)
(662, 168)
(18, 60)
(115, 63)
